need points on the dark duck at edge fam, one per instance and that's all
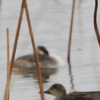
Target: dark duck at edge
(59, 92)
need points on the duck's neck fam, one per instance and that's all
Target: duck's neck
(60, 96)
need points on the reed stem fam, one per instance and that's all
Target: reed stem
(71, 30)
(35, 52)
(16, 39)
(95, 22)
(6, 94)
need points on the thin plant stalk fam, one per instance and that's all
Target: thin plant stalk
(6, 94)
(71, 30)
(16, 39)
(35, 53)
(95, 22)
(9, 69)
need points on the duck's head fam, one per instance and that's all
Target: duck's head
(56, 90)
(42, 50)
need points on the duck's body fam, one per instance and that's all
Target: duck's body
(82, 96)
(48, 63)
(45, 59)
(59, 92)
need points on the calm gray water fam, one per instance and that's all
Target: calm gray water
(50, 21)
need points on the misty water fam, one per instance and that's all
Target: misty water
(50, 21)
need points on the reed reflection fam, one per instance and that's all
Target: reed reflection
(71, 76)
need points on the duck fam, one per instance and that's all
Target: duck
(26, 65)
(46, 59)
(59, 92)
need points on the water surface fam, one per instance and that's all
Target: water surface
(50, 22)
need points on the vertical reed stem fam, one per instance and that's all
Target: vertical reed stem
(70, 32)
(8, 51)
(13, 55)
(10, 65)
(34, 49)
(95, 22)
(16, 39)
(6, 94)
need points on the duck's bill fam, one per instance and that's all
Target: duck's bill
(47, 92)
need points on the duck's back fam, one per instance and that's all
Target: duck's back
(82, 96)
(31, 58)
(76, 96)
(93, 95)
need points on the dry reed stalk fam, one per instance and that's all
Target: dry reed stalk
(95, 22)
(24, 4)
(35, 53)
(9, 69)
(8, 49)
(6, 94)
(16, 39)
(70, 32)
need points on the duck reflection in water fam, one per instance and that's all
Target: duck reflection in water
(25, 65)
(59, 92)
